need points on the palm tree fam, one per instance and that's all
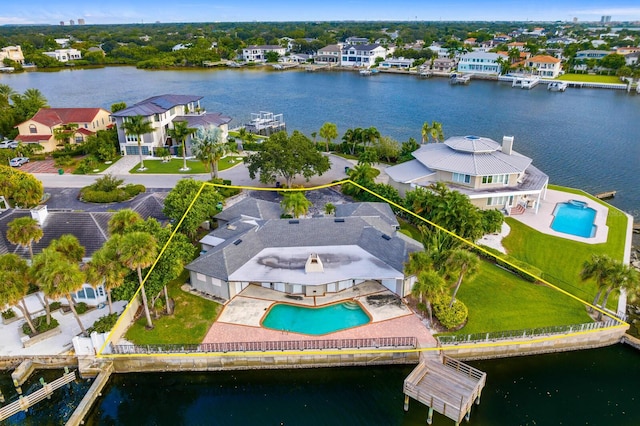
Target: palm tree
(120, 221)
(370, 135)
(137, 126)
(600, 267)
(180, 132)
(69, 246)
(138, 250)
(621, 277)
(295, 203)
(105, 268)
(64, 133)
(14, 284)
(426, 128)
(433, 131)
(24, 231)
(328, 131)
(209, 147)
(465, 263)
(428, 285)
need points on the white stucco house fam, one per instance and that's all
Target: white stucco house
(259, 53)
(492, 175)
(361, 55)
(480, 63)
(544, 66)
(65, 55)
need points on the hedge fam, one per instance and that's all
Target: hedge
(450, 317)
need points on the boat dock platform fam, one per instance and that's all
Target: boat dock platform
(460, 78)
(265, 123)
(445, 385)
(283, 66)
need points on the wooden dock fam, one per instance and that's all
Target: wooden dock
(30, 400)
(606, 195)
(448, 386)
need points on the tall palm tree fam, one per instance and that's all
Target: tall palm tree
(138, 250)
(69, 246)
(621, 277)
(24, 231)
(209, 147)
(180, 132)
(105, 268)
(328, 132)
(295, 203)
(465, 263)
(370, 135)
(138, 126)
(428, 285)
(600, 268)
(123, 219)
(426, 128)
(14, 284)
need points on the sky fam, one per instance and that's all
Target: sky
(150, 11)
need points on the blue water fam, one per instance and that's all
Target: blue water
(314, 321)
(574, 219)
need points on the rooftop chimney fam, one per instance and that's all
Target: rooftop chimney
(314, 264)
(507, 145)
(40, 214)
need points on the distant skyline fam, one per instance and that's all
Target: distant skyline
(150, 11)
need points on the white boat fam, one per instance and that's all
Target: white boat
(365, 73)
(557, 86)
(526, 82)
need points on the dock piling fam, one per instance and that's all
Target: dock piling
(430, 416)
(406, 402)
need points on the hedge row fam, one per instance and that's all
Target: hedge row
(120, 194)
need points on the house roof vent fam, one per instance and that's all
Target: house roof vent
(314, 264)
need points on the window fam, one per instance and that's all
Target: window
(497, 201)
(495, 179)
(33, 129)
(461, 178)
(201, 277)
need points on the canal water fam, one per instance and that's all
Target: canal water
(583, 138)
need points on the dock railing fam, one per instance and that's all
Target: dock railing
(494, 336)
(273, 346)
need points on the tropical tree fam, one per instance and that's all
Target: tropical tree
(464, 263)
(370, 136)
(178, 201)
(600, 268)
(138, 250)
(180, 133)
(64, 133)
(353, 138)
(429, 284)
(14, 284)
(122, 220)
(621, 277)
(28, 104)
(328, 132)
(433, 131)
(24, 231)
(209, 147)
(295, 203)
(105, 268)
(69, 246)
(137, 126)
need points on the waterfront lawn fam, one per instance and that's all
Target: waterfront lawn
(562, 259)
(174, 165)
(192, 318)
(588, 78)
(499, 301)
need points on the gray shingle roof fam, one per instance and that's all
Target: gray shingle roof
(156, 105)
(251, 207)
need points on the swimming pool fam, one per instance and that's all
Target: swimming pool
(315, 321)
(575, 218)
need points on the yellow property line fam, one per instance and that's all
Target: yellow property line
(100, 353)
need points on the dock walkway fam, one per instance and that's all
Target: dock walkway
(445, 385)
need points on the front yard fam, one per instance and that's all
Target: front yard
(589, 78)
(174, 165)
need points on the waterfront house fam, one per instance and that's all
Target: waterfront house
(591, 54)
(311, 257)
(329, 54)
(398, 63)
(544, 66)
(361, 55)
(162, 111)
(65, 55)
(480, 63)
(81, 123)
(443, 65)
(259, 53)
(493, 176)
(631, 59)
(297, 58)
(13, 53)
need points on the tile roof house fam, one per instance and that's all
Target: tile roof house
(41, 127)
(544, 66)
(493, 176)
(162, 111)
(360, 243)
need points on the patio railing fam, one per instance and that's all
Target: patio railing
(288, 345)
(522, 334)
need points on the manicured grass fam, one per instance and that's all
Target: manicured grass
(588, 78)
(562, 259)
(174, 165)
(101, 167)
(499, 301)
(189, 324)
(409, 229)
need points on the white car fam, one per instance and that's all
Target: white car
(18, 161)
(8, 144)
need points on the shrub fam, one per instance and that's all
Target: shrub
(107, 190)
(134, 189)
(225, 192)
(87, 165)
(450, 317)
(9, 313)
(40, 323)
(81, 308)
(63, 161)
(106, 183)
(54, 306)
(103, 324)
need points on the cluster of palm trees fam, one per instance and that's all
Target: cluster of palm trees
(360, 137)
(57, 269)
(611, 276)
(433, 131)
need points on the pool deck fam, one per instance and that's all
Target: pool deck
(241, 317)
(542, 220)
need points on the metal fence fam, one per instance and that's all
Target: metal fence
(289, 345)
(521, 334)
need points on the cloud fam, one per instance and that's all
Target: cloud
(618, 11)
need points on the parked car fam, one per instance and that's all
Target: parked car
(8, 144)
(18, 161)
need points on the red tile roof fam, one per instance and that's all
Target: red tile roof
(544, 59)
(84, 131)
(33, 138)
(54, 116)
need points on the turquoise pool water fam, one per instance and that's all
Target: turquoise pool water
(315, 321)
(575, 218)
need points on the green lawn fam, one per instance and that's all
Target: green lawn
(562, 259)
(101, 167)
(587, 78)
(175, 164)
(499, 301)
(189, 324)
